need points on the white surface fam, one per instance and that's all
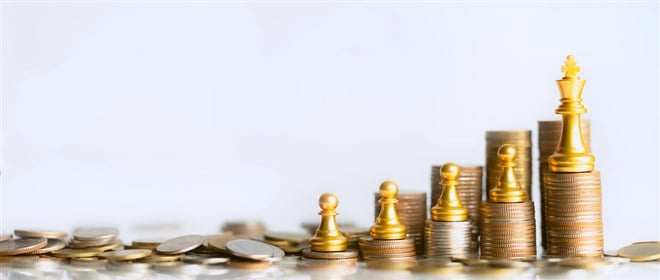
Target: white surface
(125, 114)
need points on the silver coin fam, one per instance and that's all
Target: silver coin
(278, 254)
(250, 249)
(180, 244)
(95, 233)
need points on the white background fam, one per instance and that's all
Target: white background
(147, 113)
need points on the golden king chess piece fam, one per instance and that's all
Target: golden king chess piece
(328, 237)
(572, 155)
(508, 188)
(387, 224)
(449, 207)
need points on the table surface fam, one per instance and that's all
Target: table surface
(288, 269)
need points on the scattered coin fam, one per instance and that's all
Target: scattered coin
(125, 255)
(287, 236)
(204, 259)
(5, 236)
(157, 258)
(95, 233)
(21, 246)
(76, 253)
(40, 233)
(51, 245)
(348, 254)
(641, 252)
(250, 249)
(180, 244)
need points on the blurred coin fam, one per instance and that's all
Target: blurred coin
(219, 242)
(248, 264)
(641, 252)
(52, 245)
(5, 236)
(76, 253)
(250, 249)
(95, 233)
(156, 258)
(125, 255)
(204, 259)
(180, 244)
(40, 233)
(21, 246)
(307, 253)
(436, 266)
(287, 236)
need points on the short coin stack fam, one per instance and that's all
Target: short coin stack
(388, 241)
(353, 235)
(448, 232)
(470, 186)
(522, 140)
(508, 227)
(549, 135)
(574, 225)
(412, 213)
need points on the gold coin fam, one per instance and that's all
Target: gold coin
(437, 266)
(291, 237)
(125, 255)
(157, 258)
(118, 243)
(641, 252)
(76, 253)
(52, 245)
(21, 246)
(348, 254)
(40, 233)
(219, 242)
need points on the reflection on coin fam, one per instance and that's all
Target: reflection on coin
(40, 233)
(319, 264)
(437, 266)
(95, 233)
(286, 236)
(204, 259)
(5, 236)
(641, 252)
(248, 264)
(180, 244)
(179, 268)
(125, 255)
(278, 254)
(155, 258)
(21, 246)
(91, 261)
(250, 249)
(348, 254)
(114, 245)
(51, 245)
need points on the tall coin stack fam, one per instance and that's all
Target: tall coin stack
(388, 241)
(447, 233)
(522, 141)
(469, 188)
(549, 134)
(412, 213)
(572, 189)
(508, 227)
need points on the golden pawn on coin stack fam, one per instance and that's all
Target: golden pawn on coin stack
(411, 208)
(447, 233)
(469, 189)
(549, 134)
(328, 242)
(522, 141)
(508, 229)
(571, 189)
(388, 240)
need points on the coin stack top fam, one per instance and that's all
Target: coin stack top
(449, 207)
(388, 225)
(328, 237)
(522, 141)
(469, 188)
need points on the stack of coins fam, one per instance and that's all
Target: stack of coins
(448, 239)
(353, 235)
(574, 225)
(389, 250)
(549, 135)
(470, 185)
(412, 213)
(522, 141)
(94, 237)
(508, 231)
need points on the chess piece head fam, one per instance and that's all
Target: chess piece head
(328, 237)
(571, 155)
(449, 207)
(508, 188)
(387, 224)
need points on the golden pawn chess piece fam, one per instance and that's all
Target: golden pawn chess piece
(572, 155)
(508, 188)
(328, 237)
(387, 224)
(449, 207)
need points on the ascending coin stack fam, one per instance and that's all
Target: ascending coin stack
(388, 241)
(572, 189)
(522, 141)
(447, 233)
(328, 243)
(549, 135)
(508, 229)
(469, 188)
(411, 207)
